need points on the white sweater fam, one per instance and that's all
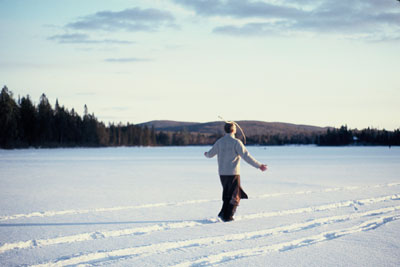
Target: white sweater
(229, 151)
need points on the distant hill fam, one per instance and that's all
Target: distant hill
(163, 124)
(250, 128)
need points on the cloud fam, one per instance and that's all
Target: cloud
(249, 29)
(132, 19)
(80, 38)
(127, 60)
(379, 19)
(240, 8)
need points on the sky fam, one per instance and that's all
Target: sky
(314, 62)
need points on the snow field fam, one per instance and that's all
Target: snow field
(364, 221)
(272, 227)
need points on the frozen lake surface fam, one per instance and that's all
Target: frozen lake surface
(315, 206)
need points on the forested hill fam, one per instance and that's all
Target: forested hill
(23, 124)
(249, 127)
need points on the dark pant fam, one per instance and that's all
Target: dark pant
(232, 192)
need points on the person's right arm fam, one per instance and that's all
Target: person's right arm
(244, 153)
(213, 151)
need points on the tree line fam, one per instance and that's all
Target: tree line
(344, 136)
(333, 137)
(23, 124)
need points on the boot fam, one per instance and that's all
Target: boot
(234, 207)
(230, 211)
(223, 212)
(227, 211)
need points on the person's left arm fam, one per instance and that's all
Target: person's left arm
(213, 151)
(244, 153)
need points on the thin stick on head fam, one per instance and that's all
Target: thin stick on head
(237, 125)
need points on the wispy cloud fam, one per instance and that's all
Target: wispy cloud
(132, 19)
(379, 19)
(128, 60)
(250, 29)
(80, 38)
(240, 8)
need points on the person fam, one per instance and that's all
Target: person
(229, 151)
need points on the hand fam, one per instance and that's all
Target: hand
(263, 167)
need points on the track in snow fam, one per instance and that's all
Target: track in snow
(182, 203)
(359, 222)
(289, 245)
(185, 224)
(144, 251)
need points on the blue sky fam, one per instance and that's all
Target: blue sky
(320, 62)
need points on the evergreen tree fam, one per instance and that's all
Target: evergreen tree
(28, 121)
(45, 122)
(164, 139)
(153, 138)
(89, 129)
(102, 134)
(9, 116)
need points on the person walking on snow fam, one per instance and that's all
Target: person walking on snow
(229, 150)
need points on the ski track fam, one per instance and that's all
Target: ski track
(112, 209)
(144, 251)
(290, 245)
(167, 204)
(184, 224)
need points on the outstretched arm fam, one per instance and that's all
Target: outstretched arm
(242, 151)
(213, 151)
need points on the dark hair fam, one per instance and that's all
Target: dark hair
(228, 127)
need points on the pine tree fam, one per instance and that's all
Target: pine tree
(9, 116)
(45, 122)
(28, 121)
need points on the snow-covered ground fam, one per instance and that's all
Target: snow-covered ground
(315, 206)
